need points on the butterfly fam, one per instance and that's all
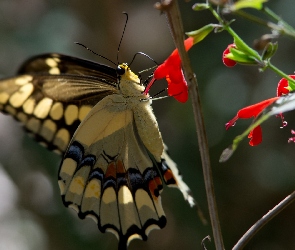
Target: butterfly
(114, 160)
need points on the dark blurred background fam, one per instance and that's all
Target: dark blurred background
(253, 181)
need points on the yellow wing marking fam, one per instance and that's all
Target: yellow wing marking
(56, 111)
(71, 114)
(43, 107)
(18, 98)
(48, 129)
(29, 105)
(62, 139)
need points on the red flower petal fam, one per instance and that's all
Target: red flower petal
(283, 83)
(255, 109)
(256, 136)
(161, 71)
(178, 90)
(231, 123)
(171, 70)
(248, 112)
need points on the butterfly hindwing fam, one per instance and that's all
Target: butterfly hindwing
(108, 174)
(51, 99)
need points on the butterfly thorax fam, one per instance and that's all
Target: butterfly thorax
(132, 91)
(130, 85)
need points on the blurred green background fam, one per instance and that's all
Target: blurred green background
(253, 181)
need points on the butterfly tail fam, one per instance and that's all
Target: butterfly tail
(173, 178)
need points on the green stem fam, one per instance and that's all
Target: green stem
(279, 72)
(250, 17)
(249, 50)
(238, 41)
(240, 137)
(285, 27)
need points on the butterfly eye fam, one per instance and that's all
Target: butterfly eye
(120, 71)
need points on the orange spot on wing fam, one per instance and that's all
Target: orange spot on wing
(120, 167)
(111, 170)
(169, 177)
(155, 186)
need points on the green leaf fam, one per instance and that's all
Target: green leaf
(240, 56)
(201, 33)
(241, 45)
(255, 4)
(200, 6)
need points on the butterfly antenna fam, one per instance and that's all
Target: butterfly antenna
(146, 70)
(95, 53)
(141, 53)
(122, 36)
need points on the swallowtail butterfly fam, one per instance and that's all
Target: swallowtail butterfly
(114, 160)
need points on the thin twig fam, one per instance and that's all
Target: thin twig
(172, 12)
(263, 221)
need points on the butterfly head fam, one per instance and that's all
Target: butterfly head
(130, 84)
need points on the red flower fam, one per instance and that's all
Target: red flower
(226, 61)
(254, 110)
(171, 70)
(248, 112)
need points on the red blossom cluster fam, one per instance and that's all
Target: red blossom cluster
(254, 110)
(171, 70)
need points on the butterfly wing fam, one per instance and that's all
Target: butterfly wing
(112, 169)
(53, 94)
(108, 174)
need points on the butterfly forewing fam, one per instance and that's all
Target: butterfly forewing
(53, 94)
(56, 64)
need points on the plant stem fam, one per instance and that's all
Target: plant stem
(286, 28)
(173, 15)
(249, 50)
(282, 28)
(279, 72)
(264, 220)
